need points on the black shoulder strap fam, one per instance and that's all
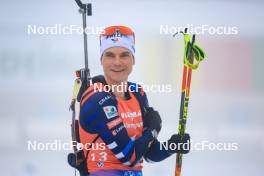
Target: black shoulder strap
(84, 86)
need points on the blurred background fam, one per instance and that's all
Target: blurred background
(227, 92)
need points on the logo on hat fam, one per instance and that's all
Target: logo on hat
(116, 36)
(115, 39)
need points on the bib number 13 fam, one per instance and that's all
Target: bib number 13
(102, 156)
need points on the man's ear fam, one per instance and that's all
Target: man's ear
(134, 60)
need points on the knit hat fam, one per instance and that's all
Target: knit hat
(117, 36)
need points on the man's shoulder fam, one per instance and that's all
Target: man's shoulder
(96, 94)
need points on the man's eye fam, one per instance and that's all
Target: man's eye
(109, 55)
(125, 55)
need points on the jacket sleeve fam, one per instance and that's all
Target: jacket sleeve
(99, 114)
(157, 152)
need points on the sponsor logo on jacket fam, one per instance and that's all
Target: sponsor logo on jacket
(114, 123)
(130, 114)
(110, 111)
(104, 99)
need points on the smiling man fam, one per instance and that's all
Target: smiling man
(117, 64)
(121, 119)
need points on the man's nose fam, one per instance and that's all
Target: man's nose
(117, 60)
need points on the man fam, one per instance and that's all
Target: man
(114, 114)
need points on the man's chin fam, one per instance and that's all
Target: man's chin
(117, 80)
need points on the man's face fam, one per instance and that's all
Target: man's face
(117, 64)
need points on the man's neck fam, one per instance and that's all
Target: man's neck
(118, 88)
